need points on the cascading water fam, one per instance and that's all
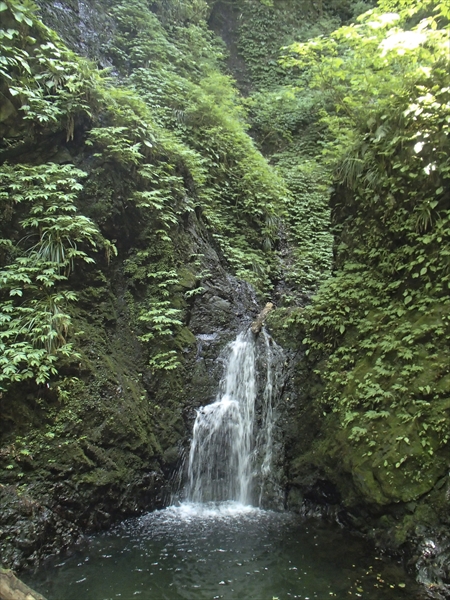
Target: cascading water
(225, 446)
(265, 435)
(218, 545)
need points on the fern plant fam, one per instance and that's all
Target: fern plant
(35, 299)
(378, 326)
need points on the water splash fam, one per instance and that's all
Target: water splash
(214, 511)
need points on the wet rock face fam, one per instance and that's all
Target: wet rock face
(215, 321)
(117, 455)
(85, 26)
(226, 306)
(110, 448)
(433, 564)
(32, 529)
(224, 21)
(49, 514)
(36, 524)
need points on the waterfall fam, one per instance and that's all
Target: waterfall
(227, 454)
(265, 434)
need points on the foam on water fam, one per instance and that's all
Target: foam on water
(210, 510)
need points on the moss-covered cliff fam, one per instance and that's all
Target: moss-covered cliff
(357, 121)
(137, 207)
(372, 433)
(130, 201)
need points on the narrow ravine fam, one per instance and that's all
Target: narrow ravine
(218, 542)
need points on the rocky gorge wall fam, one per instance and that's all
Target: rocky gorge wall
(367, 420)
(181, 193)
(104, 437)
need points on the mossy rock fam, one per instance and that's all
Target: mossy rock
(393, 470)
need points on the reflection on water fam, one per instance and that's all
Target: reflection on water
(229, 551)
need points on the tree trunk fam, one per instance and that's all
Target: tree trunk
(257, 325)
(12, 588)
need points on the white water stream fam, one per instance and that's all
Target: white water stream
(217, 545)
(227, 454)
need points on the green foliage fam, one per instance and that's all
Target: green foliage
(284, 121)
(374, 62)
(47, 84)
(177, 141)
(309, 241)
(156, 316)
(280, 116)
(176, 72)
(381, 320)
(160, 318)
(38, 205)
(266, 26)
(182, 11)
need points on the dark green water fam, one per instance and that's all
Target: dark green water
(230, 552)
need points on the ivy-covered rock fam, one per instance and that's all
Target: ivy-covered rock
(121, 230)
